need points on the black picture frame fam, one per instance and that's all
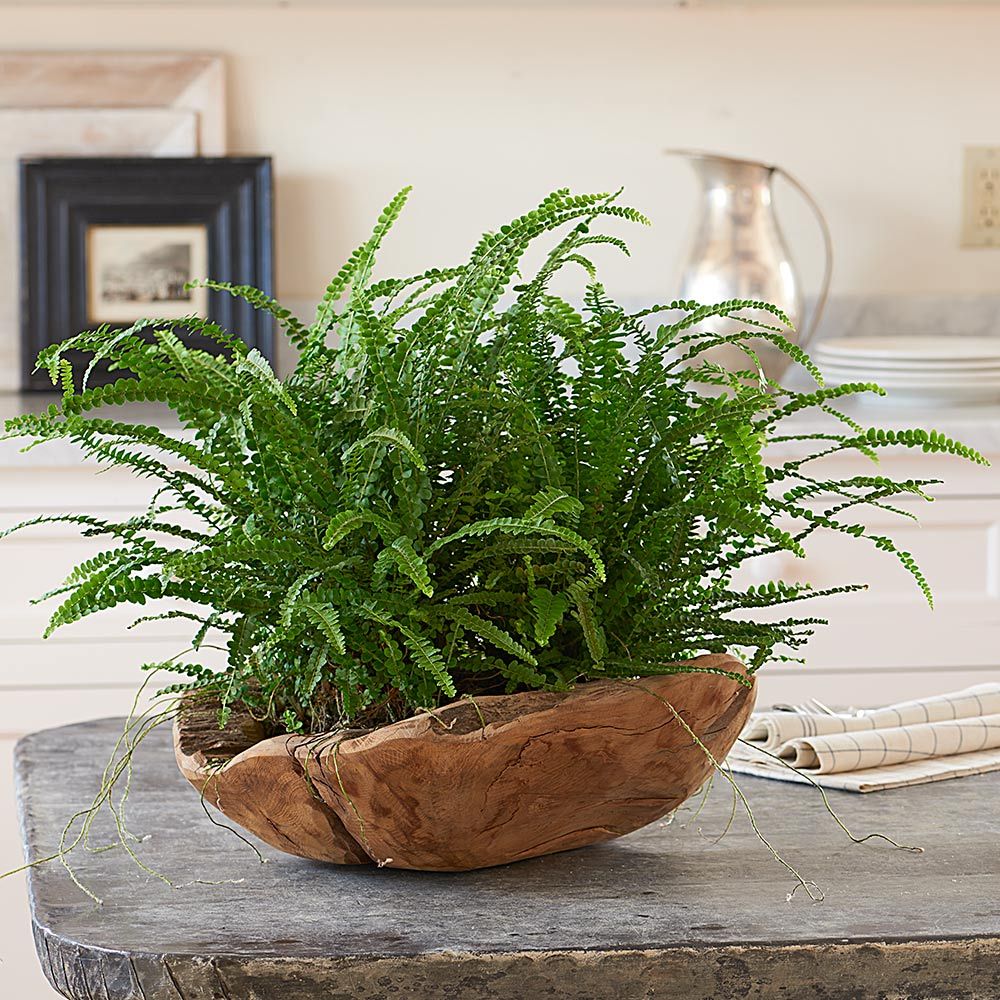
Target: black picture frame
(63, 197)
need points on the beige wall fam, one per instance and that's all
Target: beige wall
(485, 110)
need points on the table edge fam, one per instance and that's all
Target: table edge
(957, 967)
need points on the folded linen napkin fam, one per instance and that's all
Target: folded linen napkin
(878, 747)
(871, 779)
(908, 743)
(771, 730)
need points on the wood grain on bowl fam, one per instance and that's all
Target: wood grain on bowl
(473, 784)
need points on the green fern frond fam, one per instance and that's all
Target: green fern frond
(523, 526)
(256, 364)
(549, 609)
(426, 655)
(586, 614)
(469, 484)
(403, 554)
(342, 524)
(550, 502)
(388, 436)
(491, 633)
(292, 326)
(358, 268)
(328, 620)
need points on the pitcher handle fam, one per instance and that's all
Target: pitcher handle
(817, 312)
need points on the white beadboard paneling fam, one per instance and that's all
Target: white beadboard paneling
(27, 488)
(28, 711)
(957, 545)
(101, 661)
(955, 541)
(38, 558)
(27, 624)
(30, 566)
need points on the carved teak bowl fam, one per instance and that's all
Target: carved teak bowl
(473, 785)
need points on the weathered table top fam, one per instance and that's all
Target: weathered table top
(667, 911)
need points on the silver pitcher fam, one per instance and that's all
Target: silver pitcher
(739, 251)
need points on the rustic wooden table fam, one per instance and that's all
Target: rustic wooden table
(665, 912)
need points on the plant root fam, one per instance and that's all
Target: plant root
(118, 774)
(814, 892)
(832, 811)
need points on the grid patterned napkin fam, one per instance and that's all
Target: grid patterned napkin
(904, 744)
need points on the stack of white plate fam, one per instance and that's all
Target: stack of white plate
(945, 369)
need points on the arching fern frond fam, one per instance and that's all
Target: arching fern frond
(474, 480)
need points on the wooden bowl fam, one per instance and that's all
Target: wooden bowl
(472, 785)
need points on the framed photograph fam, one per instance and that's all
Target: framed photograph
(113, 240)
(131, 268)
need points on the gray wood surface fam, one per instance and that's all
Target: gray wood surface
(664, 912)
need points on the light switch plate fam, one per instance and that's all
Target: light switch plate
(981, 200)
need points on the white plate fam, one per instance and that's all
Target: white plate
(914, 348)
(904, 364)
(911, 378)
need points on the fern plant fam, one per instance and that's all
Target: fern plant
(468, 484)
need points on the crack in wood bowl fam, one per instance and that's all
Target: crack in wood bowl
(502, 779)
